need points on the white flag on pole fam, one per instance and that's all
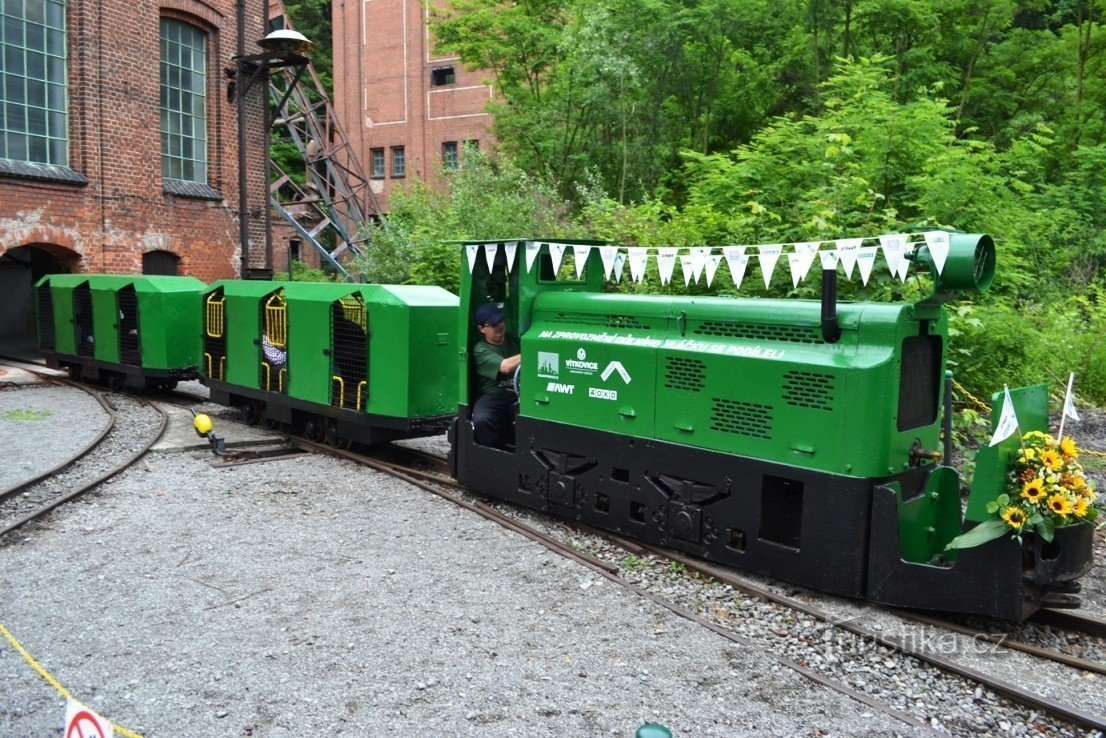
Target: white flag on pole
(638, 256)
(472, 250)
(557, 253)
(666, 262)
(768, 256)
(532, 250)
(1069, 408)
(1007, 421)
(510, 249)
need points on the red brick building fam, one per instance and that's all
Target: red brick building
(408, 113)
(118, 146)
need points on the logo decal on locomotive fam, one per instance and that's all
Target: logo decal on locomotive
(602, 394)
(560, 389)
(579, 365)
(549, 365)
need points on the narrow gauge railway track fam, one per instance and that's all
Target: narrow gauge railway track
(129, 433)
(1004, 688)
(606, 570)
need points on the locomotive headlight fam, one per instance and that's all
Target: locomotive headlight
(970, 265)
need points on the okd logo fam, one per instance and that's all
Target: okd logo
(549, 364)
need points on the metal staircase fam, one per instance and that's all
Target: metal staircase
(335, 202)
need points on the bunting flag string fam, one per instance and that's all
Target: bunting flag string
(899, 252)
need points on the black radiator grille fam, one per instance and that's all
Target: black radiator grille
(46, 337)
(126, 303)
(763, 331)
(919, 382)
(684, 374)
(741, 418)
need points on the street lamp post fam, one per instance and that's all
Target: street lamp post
(282, 48)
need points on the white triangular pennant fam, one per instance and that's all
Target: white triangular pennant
(532, 249)
(1007, 421)
(795, 261)
(686, 268)
(699, 256)
(938, 244)
(738, 265)
(608, 254)
(490, 250)
(580, 254)
(619, 266)
(510, 249)
(557, 253)
(893, 244)
(666, 262)
(865, 260)
(768, 256)
(847, 249)
(733, 254)
(829, 258)
(904, 262)
(471, 251)
(638, 257)
(713, 260)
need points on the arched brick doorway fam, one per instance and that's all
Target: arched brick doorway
(20, 268)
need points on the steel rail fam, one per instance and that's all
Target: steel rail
(1000, 686)
(605, 570)
(16, 489)
(1068, 620)
(61, 499)
(1005, 641)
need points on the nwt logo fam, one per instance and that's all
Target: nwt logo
(560, 389)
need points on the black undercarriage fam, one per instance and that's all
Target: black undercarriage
(831, 533)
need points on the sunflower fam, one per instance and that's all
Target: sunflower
(1068, 448)
(1060, 504)
(1034, 491)
(1051, 459)
(1082, 504)
(1015, 517)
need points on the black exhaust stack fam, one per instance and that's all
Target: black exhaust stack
(831, 331)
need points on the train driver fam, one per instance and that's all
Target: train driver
(496, 356)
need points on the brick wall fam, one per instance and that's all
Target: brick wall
(115, 143)
(383, 96)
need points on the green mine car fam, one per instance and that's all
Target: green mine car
(344, 362)
(124, 330)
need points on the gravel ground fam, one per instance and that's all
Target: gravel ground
(314, 596)
(29, 413)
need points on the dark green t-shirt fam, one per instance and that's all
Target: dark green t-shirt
(487, 359)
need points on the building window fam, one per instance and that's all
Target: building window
(183, 102)
(449, 155)
(399, 162)
(161, 262)
(377, 163)
(34, 124)
(442, 76)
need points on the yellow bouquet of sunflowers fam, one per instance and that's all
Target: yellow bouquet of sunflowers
(1047, 490)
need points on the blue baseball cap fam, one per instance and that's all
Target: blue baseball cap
(488, 314)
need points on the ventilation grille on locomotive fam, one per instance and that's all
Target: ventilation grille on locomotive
(741, 418)
(763, 331)
(46, 335)
(126, 305)
(919, 382)
(349, 360)
(808, 389)
(684, 374)
(624, 322)
(82, 319)
(215, 335)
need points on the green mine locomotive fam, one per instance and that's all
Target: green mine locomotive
(800, 439)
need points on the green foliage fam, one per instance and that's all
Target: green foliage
(301, 272)
(486, 198)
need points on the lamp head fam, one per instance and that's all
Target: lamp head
(286, 39)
